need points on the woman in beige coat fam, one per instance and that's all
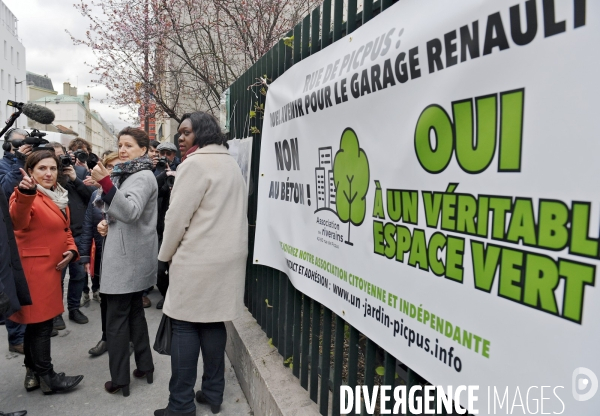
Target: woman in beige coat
(206, 242)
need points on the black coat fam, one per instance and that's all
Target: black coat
(79, 197)
(90, 232)
(12, 277)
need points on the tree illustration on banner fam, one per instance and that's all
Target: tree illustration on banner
(351, 178)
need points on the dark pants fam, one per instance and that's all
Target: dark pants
(96, 276)
(77, 280)
(16, 332)
(37, 347)
(125, 321)
(189, 338)
(103, 309)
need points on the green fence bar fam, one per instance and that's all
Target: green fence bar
(351, 21)
(314, 351)
(269, 303)
(297, 322)
(369, 368)
(275, 302)
(289, 321)
(367, 11)
(353, 357)
(389, 375)
(338, 363)
(412, 380)
(297, 43)
(326, 28)
(305, 37)
(281, 312)
(316, 26)
(306, 301)
(338, 17)
(325, 362)
(386, 4)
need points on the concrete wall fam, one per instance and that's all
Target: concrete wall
(270, 388)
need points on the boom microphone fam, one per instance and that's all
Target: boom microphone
(42, 115)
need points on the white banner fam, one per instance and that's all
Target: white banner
(433, 178)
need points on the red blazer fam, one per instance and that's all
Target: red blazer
(43, 235)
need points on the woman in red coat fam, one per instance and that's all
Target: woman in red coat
(40, 216)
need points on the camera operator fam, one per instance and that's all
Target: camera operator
(10, 176)
(164, 170)
(79, 197)
(168, 151)
(13, 160)
(80, 150)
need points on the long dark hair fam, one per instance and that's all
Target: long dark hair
(206, 129)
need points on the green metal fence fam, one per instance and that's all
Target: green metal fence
(323, 350)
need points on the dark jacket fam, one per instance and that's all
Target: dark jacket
(12, 277)
(10, 175)
(176, 162)
(90, 232)
(164, 195)
(79, 197)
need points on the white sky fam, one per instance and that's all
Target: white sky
(50, 51)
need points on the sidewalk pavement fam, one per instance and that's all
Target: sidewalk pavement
(70, 355)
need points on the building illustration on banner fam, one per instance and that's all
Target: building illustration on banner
(324, 180)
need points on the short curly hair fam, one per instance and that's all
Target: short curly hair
(79, 143)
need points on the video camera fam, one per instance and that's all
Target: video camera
(35, 139)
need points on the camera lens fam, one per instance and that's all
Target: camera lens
(65, 160)
(92, 161)
(81, 156)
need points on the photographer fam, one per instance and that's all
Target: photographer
(79, 197)
(164, 170)
(80, 151)
(168, 151)
(13, 160)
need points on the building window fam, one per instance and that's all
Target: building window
(18, 61)
(2, 76)
(9, 83)
(12, 55)
(5, 50)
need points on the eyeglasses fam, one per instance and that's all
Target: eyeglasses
(166, 152)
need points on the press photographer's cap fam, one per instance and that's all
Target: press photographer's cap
(167, 146)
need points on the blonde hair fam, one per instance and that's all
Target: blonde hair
(109, 158)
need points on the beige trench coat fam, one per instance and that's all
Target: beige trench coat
(206, 238)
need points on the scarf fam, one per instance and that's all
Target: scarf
(124, 170)
(189, 152)
(59, 196)
(119, 174)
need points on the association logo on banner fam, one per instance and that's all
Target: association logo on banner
(342, 186)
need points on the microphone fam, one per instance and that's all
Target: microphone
(42, 115)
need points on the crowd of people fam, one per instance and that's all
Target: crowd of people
(62, 211)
